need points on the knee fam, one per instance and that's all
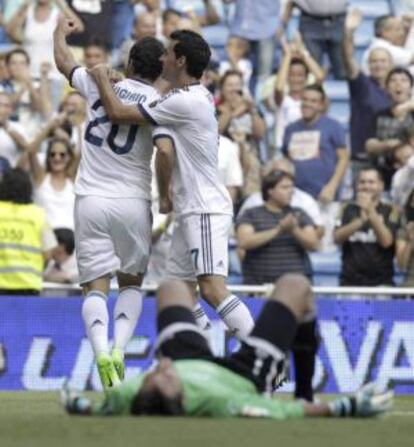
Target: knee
(127, 280)
(295, 292)
(213, 289)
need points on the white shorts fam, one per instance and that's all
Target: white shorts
(111, 235)
(199, 246)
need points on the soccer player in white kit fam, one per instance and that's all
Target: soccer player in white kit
(112, 208)
(187, 141)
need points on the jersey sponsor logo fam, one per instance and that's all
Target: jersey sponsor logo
(366, 237)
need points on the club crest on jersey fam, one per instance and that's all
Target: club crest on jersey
(153, 104)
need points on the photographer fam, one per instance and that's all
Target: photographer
(366, 230)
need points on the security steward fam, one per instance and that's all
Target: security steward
(26, 240)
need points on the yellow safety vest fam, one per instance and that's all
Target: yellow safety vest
(21, 257)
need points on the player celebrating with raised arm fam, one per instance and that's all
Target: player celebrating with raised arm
(187, 142)
(113, 193)
(189, 380)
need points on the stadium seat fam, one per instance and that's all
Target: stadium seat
(336, 90)
(216, 35)
(340, 111)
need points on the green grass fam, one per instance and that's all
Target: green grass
(33, 419)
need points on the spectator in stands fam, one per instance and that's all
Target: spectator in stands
(54, 183)
(13, 141)
(27, 239)
(366, 229)
(33, 25)
(276, 239)
(257, 22)
(300, 199)
(321, 25)
(95, 52)
(368, 93)
(96, 19)
(296, 66)
(239, 119)
(75, 119)
(392, 124)
(122, 22)
(316, 145)
(389, 35)
(405, 242)
(230, 168)
(62, 268)
(237, 50)
(403, 179)
(144, 26)
(31, 98)
(170, 23)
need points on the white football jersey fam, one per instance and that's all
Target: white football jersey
(116, 159)
(188, 117)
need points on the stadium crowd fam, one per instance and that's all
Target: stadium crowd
(306, 184)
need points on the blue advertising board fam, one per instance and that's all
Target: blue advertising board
(43, 344)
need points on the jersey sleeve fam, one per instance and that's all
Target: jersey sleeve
(170, 110)
(81, 80)
(257, 406)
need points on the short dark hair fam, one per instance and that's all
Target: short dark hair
(194, 48)
(298, 61)
(271, 180)
(380, 24)
(68, 146)
(154, 402)
(145, 58)
(66, 237)
(16, 187)
(170, 12)
(95, 41)
(371, 168)
(21, 51)
(399, 70)
(316, 88)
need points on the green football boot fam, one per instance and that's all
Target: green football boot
(118, 362)
(107, 371)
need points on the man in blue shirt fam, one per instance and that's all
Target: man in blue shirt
(257, 22)
(368, 93)
(316, 145)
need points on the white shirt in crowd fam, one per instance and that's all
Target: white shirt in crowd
(188, 118)
(8, 148)
(403, 183)
(116, 160)
(300, 199)
(69, 267)
(58, 205)
(230, 168)
(402, 57)
(38, 41)
(288, 112)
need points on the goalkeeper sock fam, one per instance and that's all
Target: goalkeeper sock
(202, 320)
(95, 316)
(305, 346)
(236, 316)
(127, 311)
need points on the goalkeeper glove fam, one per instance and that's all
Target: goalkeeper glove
(73, 402)
(367, 402)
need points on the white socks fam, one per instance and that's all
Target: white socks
(236, 316)
(202, 320)
(95, 317)
(126, 314)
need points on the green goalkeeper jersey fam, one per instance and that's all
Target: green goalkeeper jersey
(209, 390)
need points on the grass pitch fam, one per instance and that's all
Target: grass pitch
(32, 419)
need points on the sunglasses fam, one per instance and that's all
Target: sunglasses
(58, 155)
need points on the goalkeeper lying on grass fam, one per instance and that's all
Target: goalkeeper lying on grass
(189, 380)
